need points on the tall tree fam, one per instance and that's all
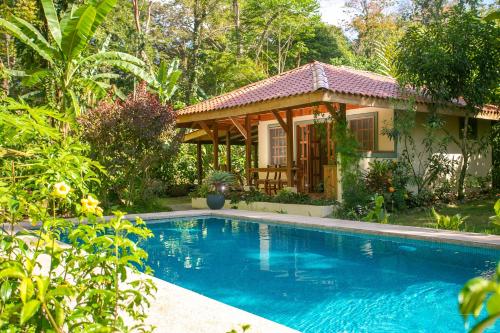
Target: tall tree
(454, 59)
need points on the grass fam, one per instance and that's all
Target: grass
(157, 205)
(478, 212)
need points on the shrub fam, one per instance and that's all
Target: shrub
(447, 222)
(128, 138)
(378, 213)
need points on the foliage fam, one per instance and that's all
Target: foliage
(378, 213)
(427, 167)
(71, 78)
(34, 154)
(496, 218)
(128, 138)
(455, 58)
(87, 284)
(219, 181)
(284, 196)
(479, 293)
(447, 222)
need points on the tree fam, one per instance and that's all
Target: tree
(454, 59)
(66, 68)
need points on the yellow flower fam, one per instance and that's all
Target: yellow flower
(61, 189)
(90, 205)
(392, 189)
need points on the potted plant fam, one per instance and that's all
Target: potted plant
(218, 181)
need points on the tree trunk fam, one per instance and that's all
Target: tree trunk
(199, 14)
(237, 31)
(465, 158)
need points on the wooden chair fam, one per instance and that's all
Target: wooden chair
(264, 182)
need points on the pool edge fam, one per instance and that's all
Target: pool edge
(322, 223)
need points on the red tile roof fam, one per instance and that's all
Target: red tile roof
(305, 79)
(309, 78)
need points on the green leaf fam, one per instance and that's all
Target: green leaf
(26, 289)
(102, 7)
(17, 32)
(77, 31)
(12, 272)
(29, 309)
(42, 283)
(52, 20)
(33, 33)
(493, 304)
(5, 291)
(133, 69)
(101, 57)
(74, 102)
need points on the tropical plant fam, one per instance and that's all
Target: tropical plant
(219, 181)
(447, 222)
(477, 294)
(166, 78)
(378, 213)
(66, 68)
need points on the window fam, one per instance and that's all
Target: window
(277, 139)
(472, 133)
(364, 132)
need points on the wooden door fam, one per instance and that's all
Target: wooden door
(317, 157)
(303, 157)
(311, 156)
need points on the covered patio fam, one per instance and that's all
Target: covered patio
(291, 105)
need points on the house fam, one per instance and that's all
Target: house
(275, 119)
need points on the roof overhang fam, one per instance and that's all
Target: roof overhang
(315, 98)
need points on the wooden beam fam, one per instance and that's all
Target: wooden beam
(280, 120)
(199, 162)
(216, 146)
(205, 127)
(289, 148)
(248, 150)
(228, 150)
(240, 127)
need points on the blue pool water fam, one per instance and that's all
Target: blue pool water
(317, 281)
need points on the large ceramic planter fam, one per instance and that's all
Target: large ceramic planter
(215, 200)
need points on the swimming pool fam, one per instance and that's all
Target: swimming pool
(318, 281)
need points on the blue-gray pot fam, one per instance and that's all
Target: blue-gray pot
(215, 200)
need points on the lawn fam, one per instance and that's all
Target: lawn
(477, 212)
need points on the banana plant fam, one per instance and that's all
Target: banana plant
(166, 80)
(68, 66)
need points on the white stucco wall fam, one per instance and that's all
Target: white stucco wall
(480, 164)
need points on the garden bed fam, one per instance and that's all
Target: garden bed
(274, 207)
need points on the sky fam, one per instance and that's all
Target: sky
(334, 12)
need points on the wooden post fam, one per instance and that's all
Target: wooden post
(289, 148)
(228, 150)
(255, 155)
(216, 146)
(199, 162)
(248, 149)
